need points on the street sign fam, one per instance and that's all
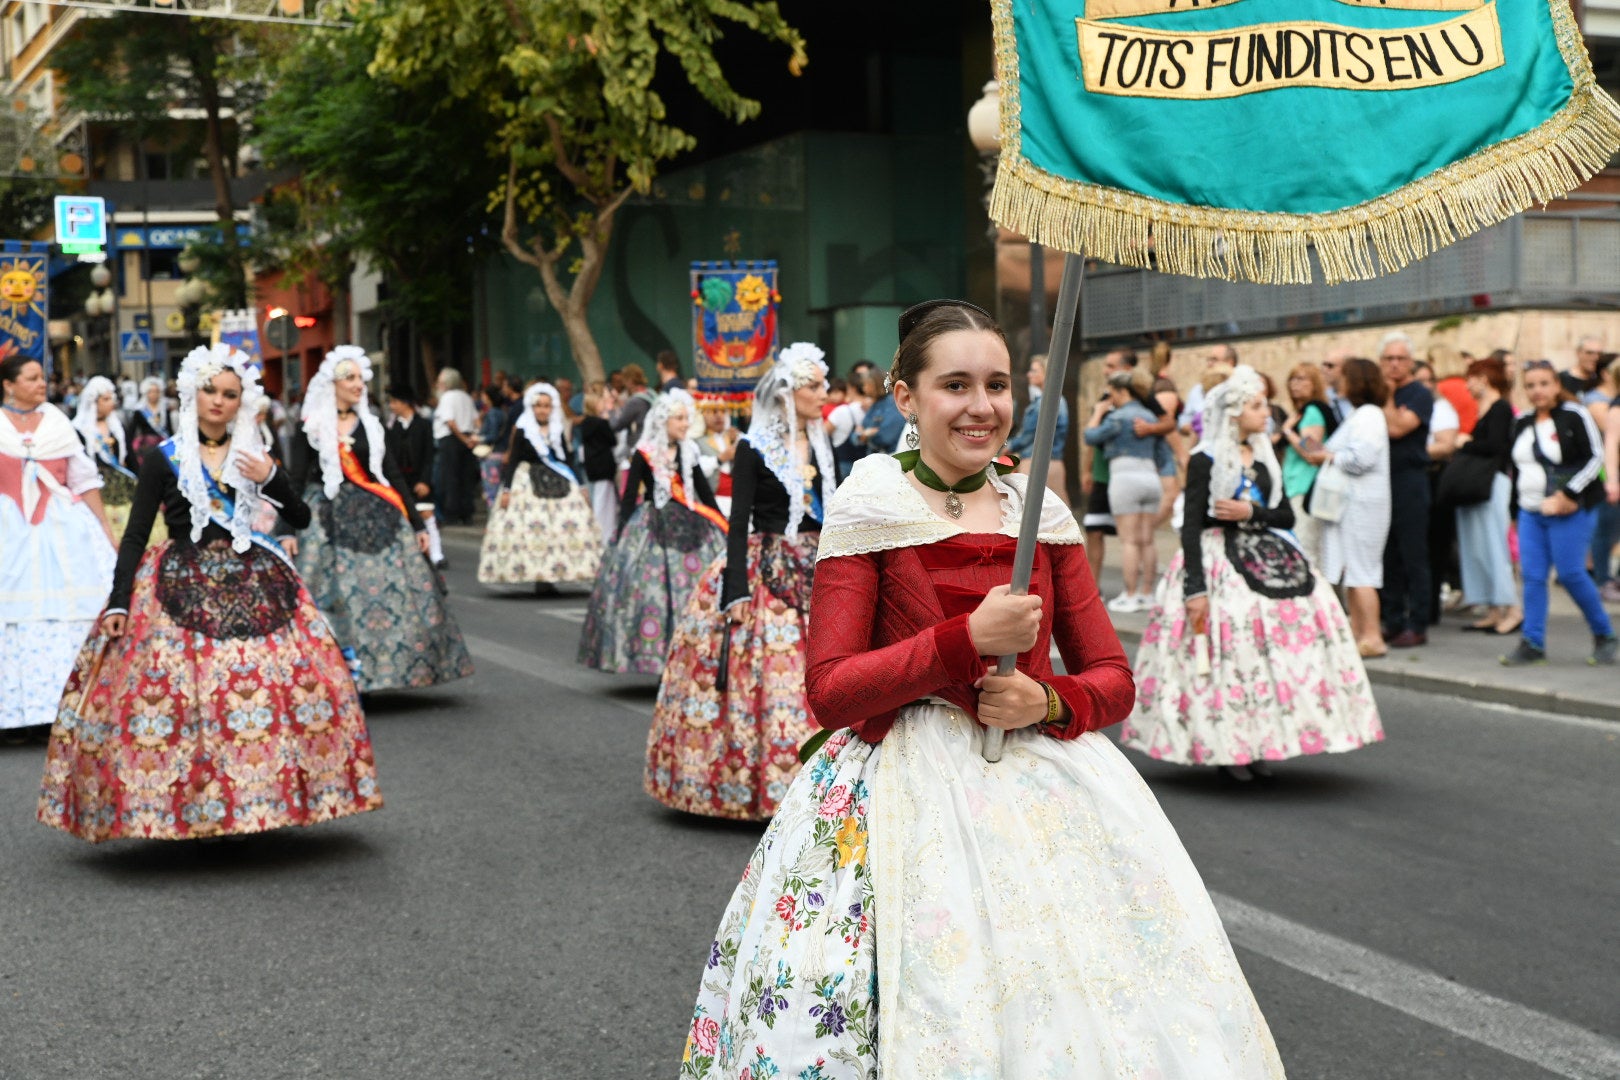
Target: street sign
(135, 346)
(81, 222)
(143, 320)
(281, 333)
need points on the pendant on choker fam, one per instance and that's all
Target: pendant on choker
(953, 504)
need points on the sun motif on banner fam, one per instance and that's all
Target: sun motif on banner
(20, 294)
(752, 293)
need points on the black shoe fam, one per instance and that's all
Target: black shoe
(1525, 655)
(1240, 773)
(545, 588)
(1604, 650)
(1261, 769)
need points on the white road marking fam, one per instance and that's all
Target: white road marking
(571, 676)
(1516, 1030)
(1545, 1041)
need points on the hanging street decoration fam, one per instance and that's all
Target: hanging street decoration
(1235, 138)
(734, 327)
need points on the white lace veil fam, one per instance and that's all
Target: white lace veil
(654, 445)
(199, 368)
(773, 431)
(85, 418)
(1223, 442)
(320, 419)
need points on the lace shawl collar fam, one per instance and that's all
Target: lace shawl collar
(878, 509)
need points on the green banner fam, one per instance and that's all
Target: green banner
(1230, 138)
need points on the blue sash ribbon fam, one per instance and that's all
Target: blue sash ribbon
(221, 504)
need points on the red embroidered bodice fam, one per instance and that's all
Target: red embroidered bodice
(891, 627)
(11, 470)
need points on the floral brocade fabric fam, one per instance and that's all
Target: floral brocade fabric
(382, 604)
(1284, 679)
(538, 538)
(731, 752)
(645, 581)
(356, 520)
(790, 987)
(169, 734)
(221, 593)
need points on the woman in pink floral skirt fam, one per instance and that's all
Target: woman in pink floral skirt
(1248, 658)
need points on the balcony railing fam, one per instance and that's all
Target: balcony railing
(1541, 260)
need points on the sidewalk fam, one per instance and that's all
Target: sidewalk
(1462, 665)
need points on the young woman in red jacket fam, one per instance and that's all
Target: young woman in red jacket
(1029, 918)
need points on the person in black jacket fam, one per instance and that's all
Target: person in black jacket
(732, 710)
(359, 556)
(215, 699)
(410, 440)
(1557, 459)
(594, 443)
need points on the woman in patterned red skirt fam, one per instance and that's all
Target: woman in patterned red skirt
(731, 713)
(215, 699)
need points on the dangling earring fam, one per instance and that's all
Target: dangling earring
(913, 440)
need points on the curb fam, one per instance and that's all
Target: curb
(1380, 674)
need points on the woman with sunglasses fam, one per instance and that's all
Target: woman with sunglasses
(1557, 459)
(1036, 916)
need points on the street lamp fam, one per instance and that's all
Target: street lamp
(984, 131)
(191, 295)
(101, 304)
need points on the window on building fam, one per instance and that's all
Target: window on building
(33, 18)
(164, 264)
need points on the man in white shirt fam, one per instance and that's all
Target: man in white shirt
(455, 427)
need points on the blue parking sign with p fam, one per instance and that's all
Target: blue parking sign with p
(81, 219)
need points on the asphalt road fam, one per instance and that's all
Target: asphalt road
(1441, 906)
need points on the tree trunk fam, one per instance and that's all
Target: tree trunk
(430, 358)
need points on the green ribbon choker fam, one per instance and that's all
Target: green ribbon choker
(911, 461)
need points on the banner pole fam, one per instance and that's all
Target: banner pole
(1057, 360)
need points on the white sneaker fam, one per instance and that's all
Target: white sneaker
(1122, 604)
(1144, 601)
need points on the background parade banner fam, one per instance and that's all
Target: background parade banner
(734, 332)
(1229, 138)
(24, 293)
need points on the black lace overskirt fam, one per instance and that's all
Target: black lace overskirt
(224, 594)
(1269, 563)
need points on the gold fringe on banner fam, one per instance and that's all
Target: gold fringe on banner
(1359, 242)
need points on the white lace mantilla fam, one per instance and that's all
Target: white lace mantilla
(878, 509)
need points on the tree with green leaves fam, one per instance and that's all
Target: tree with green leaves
(139, 68)
(395, 174)
(580, 127)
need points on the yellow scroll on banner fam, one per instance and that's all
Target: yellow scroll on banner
(1128, 9)
(1192, 65)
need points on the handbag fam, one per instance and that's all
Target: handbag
(1329, 494)
(1466, 481)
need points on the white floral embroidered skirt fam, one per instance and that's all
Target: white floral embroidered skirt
(1284, 678)
(533, 539)
(54, 581)
(1033, 918)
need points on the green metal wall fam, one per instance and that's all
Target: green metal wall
(860, 225)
